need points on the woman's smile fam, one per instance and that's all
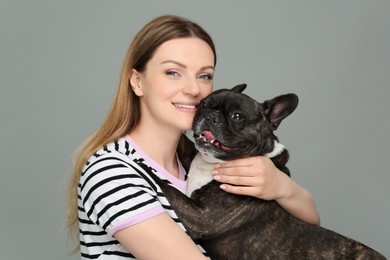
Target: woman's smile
(186, 106)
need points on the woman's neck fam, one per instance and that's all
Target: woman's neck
(160, 145)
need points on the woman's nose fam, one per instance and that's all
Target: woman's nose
(192, 88)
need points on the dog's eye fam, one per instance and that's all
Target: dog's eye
(236, 116)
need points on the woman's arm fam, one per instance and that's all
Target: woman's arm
(158, 238)
(259, 177)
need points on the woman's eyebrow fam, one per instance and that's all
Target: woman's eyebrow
(208, 67)
(174, 62)
(184, 66)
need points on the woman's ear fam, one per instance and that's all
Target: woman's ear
(135, 82)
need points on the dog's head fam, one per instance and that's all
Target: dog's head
(229, 124)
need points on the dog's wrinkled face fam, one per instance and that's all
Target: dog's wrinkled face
(229, 124)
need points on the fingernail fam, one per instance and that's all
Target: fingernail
(217, 177)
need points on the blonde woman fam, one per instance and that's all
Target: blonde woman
(117, 211)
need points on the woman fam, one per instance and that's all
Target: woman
(118, 209)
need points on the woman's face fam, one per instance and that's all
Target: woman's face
(176, 78)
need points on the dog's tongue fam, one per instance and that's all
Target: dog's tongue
(208, 135)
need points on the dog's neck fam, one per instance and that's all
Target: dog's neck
(200, 172)
(278, 149)
(208, 157)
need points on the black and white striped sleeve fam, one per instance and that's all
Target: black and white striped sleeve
(116, 193)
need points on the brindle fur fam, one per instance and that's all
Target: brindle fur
(236, 227)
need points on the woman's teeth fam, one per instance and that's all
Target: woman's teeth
(185, 106)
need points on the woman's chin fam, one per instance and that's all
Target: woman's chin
(186, 126)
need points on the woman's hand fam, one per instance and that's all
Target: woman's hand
(253, 176)
(258, 177)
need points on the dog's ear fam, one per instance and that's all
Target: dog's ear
(279, 108)
(239, 88)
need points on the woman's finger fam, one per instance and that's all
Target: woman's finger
(242, 162)
(237, 180)
(236, 171)
(240, 190)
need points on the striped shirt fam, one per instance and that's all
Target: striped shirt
(115, 192)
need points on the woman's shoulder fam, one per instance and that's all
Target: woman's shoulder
(117, 157)
(124, 157)
(119, 148)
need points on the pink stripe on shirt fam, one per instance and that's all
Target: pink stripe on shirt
(136, 219)
(180, 184)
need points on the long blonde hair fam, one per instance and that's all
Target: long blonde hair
(124, 113)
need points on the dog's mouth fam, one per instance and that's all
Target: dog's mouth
(207, 138)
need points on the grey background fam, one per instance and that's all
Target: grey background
(60, 63)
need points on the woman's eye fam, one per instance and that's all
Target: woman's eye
(172, 73)
(206, 76)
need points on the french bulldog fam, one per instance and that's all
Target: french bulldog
(228, 125)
